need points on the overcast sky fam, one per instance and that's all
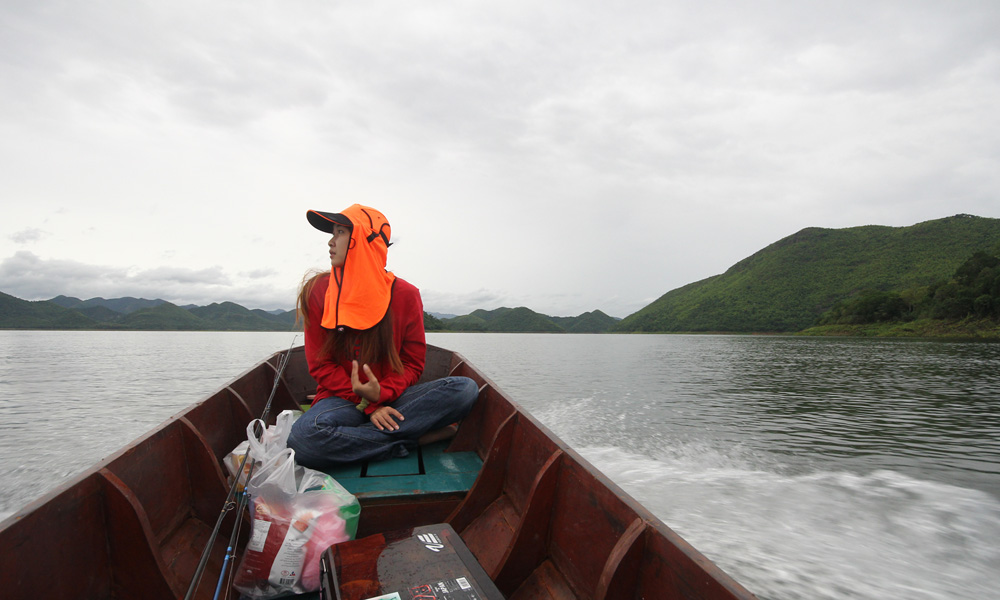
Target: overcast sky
(565, 156)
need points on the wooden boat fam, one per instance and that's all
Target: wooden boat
(541, 521)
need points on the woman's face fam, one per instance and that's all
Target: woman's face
(339, 242)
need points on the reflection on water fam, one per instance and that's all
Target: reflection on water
(806, 468)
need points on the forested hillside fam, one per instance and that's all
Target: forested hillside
(21, 314)
(139, 314)
(788, 285)
(965, 305)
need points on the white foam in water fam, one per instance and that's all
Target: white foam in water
(821, 535)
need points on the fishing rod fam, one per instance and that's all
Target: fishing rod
(240, 506)
(258, 433)
(228, 505)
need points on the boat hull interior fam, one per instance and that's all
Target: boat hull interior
(541, 520)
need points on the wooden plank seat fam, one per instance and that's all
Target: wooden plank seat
(429, 470)
(422, 488)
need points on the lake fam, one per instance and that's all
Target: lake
(806, 468)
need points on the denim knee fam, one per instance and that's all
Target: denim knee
(466, 392)
(471, 387)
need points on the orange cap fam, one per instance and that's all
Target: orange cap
(359, 292)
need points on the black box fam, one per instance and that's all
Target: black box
(424, 563)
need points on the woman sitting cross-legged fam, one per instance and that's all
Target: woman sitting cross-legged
(364, 342)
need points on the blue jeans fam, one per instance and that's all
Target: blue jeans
(334, 432)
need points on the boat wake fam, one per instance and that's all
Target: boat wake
(789, 532)
(820, 535)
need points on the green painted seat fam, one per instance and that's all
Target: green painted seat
(428, 470)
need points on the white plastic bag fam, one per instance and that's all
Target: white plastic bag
(273, 440)
(297, 513)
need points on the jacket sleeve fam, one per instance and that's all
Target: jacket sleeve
(331, 378)
(408, 333)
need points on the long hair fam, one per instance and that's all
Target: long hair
(375, 345)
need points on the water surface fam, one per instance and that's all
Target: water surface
(806, 468)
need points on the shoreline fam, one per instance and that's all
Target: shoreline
(966, 329)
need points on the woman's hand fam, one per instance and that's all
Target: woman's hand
(369, 391)
(384, 418)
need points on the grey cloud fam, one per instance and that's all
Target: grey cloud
(176, 275)
(708, 130)
(598, 83)
(30, 277)
(26, 236)
(25, 272)
(124, 58)
(260, 273)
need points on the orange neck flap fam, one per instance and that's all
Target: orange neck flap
(360, 291)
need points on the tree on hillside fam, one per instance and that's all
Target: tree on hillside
(432, 323)
(869, 307)
(973, 291)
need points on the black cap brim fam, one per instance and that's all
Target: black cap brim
(325, 221)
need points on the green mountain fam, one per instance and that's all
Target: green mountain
(590, 322)
(521, 320)
(164, 317)
(432, 323)
(465, 323)
(788, 285)
(64, 312)
(229, 316)
(504, 320)
(66, 301)
(287, 318)
(21, 314)
(525, 320)
(124, 305)
(101, 314)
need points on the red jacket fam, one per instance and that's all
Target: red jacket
(334, 379)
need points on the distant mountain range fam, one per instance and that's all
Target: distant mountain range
(522, 320)
(65, 312)
(788, 286)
